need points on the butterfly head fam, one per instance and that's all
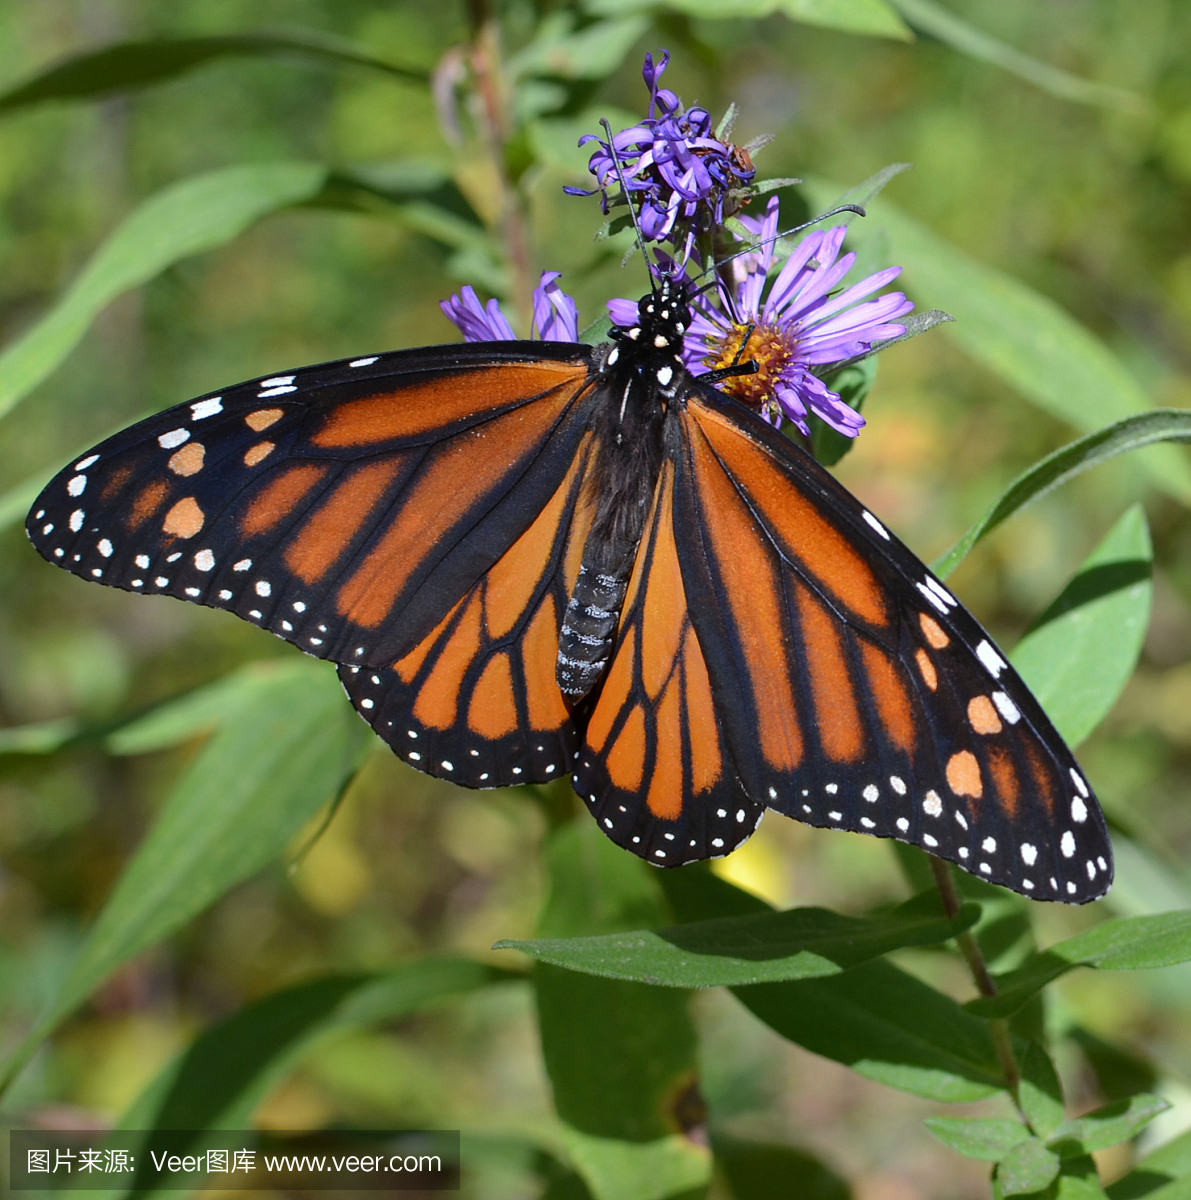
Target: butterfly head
(663, 317)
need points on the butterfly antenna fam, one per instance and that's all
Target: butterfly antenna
(624, 187)
(777, 237)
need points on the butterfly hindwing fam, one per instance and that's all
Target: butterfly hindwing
(654, 766)
(476, 701)
(345, 508)
(856, 692)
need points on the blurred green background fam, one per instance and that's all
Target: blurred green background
(1088, 205)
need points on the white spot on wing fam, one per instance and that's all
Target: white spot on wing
(225, 594)
(89, 461)
(175, 437)
(932, 805)
(1079, 783)
(142, 561)
(204, 560)
(868, 516)
(193, 592)
(263, 587)
(903, 824)
(927, 840)
(242, 565)
(871, 793)
(363, 362)
(76, 520)
(898, 784)
(932, 598)
(105, 548)
(1006, 707)
(1067, 844)
(202, 409)
(988, 845)
(1079, 811)
(77, 485)
(992, 661)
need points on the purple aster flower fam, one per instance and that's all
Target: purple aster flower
(800, 327)
(685, 180)
(555, 316)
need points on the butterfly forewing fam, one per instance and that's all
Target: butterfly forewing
(346, 507)
(856, 692)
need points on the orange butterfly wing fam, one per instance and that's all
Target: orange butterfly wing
(855, 692)
(345, 507)
(655, 767)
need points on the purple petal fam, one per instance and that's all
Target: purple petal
(476, 322)
(555, 314)
(623, 312)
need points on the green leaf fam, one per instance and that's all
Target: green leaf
(803, 943)
(1028, 1167)
(874, 18)
(130, 66)
(267, 770)
(939, 22)
(1118, 1122)
(1163, 1174)
(877, 1019)
(186, 218)
(987, 1139)
(769, 1171)
(1119, 1074)
(1078, 1180)
(1120, 944)
(638, 1093)
(1020, 335)
(1081, 651)
(624, 1170)
(1040, 1092)
(886, 1025)
(1132, 433)
(42, 738)
(594, 52)
(194, 713)
(225, 1073)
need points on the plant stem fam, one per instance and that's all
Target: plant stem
(485, 59)
(998, 1026)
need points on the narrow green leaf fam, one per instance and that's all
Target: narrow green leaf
(875, 1018)
(1118, 1122)
(593, 52)
(1028, 1167)
(270, 766)
(1163, 1174)
(1019, 334)
(1081, 651)
(803, 943)
(1040, 1092)
(42, 738)
(987, 1139)
(130, 66)
(624, 1170)
(1131, 433)
(939, 22)
(196, 712)
(225, 1073)
(1078, 1180)
(1120, 944)
(637, 1093)
(873, 18)
(886, 1025)
(769, 1171)
(186, 218)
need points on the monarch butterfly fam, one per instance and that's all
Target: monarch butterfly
(534, 559)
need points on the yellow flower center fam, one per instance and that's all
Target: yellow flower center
(768, 346)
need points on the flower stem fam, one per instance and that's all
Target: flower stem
(486, 60)
(970, 948)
